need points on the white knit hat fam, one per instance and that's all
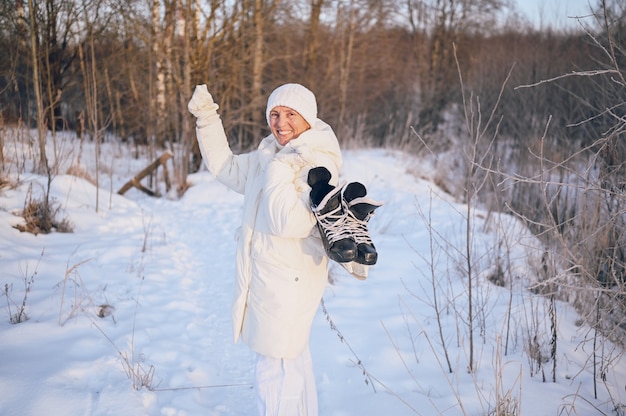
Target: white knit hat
(296, 97)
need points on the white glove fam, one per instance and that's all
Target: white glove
(202, 106)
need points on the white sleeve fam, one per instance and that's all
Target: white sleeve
(285, 206)
(230, 169)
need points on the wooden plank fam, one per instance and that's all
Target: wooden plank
(136, 180)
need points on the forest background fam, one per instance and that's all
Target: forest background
(532, 120)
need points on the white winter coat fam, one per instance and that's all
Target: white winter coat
(282, 269)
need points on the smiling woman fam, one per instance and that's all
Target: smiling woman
(291, 110)
(287, 124)
(282, 268)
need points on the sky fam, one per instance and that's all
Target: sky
(130, 313)
(557, 13)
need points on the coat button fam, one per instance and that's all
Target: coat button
(297, 278)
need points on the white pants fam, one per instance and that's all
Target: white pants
(285, 387)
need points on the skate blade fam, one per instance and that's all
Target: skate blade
(359, 271)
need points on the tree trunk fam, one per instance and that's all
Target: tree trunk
(310, 57)
(257, 68)
(41, 125)
(159, 86)
(346, 47)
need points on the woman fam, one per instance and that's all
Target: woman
(282, 268)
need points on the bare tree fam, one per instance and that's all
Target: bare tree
(91, 79)
(347, 19)
(41, 125)
(160, 45)
(312, 41)
(435, 26)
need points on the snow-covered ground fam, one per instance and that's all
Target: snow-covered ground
(130, 313)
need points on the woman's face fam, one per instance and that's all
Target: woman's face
(287, 124)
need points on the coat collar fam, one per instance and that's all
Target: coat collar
(319, 138)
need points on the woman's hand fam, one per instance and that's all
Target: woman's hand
(202, 105)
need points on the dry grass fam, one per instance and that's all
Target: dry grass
(17, 311)
(41, 217)
(5, 183)
(81, 172)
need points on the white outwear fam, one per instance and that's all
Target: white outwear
(282, 269)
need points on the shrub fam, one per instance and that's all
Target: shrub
(41, 216)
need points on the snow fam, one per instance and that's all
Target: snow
(130, 313)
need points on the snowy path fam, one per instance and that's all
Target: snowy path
(198, 347)
(185, 307)
(165, 268)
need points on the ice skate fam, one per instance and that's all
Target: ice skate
(332, 217)
(360, 210)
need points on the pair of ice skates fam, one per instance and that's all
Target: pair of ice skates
(342, 214)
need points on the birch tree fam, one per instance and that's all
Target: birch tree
(158, 55)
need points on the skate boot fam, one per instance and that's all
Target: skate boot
(360, 210)
(331, 214)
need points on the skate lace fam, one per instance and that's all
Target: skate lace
(335, 224)
(358, 229)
